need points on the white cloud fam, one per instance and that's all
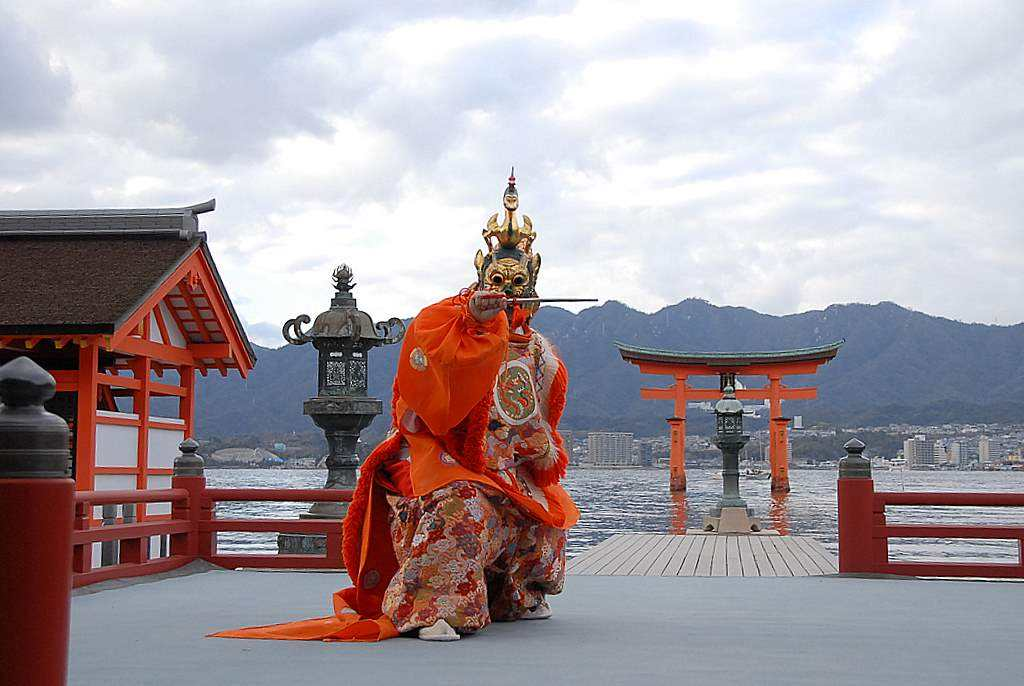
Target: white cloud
(815, 153)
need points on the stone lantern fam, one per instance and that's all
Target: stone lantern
(731, 515)
(343, 336)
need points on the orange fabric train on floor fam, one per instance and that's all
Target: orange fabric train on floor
(446, 374)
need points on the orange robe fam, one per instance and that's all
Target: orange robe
(444, 390)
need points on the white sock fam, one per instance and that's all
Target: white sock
(542, 611)
(438, 631)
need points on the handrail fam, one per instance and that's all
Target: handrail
(299, 495)
(162, 495)
(192, 529)
(864, 534)
(118, 532)
(950, 499)
(283, 526)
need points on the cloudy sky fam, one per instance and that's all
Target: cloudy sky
(781, 156)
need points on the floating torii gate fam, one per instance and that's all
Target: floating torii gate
(775, 365)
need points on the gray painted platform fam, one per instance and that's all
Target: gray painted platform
(606, 630)
(698, 554)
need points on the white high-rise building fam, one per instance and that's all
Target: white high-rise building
(984, 450)
(609, 448)
(919, 451)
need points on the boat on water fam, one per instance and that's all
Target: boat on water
(755, 473)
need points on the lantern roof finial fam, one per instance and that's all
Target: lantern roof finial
(729, 404)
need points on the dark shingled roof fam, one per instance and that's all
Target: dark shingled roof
(85, 271)
(81, 284)
(168, 222)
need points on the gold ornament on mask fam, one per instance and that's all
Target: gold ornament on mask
(509, 266)
(509, 233)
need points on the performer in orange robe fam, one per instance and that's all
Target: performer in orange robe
(458, 517)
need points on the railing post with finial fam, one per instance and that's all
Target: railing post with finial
(856, 495)
(37, 510)
(189, 474)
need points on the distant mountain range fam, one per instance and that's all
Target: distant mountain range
(897, 366)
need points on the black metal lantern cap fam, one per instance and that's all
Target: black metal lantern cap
(343, 335)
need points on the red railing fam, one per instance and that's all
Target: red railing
(192, 529)
(864, 534)
(329, 527)
(133, 537)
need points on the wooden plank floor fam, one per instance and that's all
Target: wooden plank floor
(704, 555)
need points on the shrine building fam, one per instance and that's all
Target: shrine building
(123, 308)
(775, 365)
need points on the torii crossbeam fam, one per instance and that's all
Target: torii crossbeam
(774, 365)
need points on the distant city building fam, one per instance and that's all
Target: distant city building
(955, 454)
(569, 445)
(609, 448)
(984, 450)
(645, 453)
(919, 451)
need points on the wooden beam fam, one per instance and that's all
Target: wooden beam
(64, 376)
(214, 351)
(118, 381)
(157, 351)
(161, 325)
(132, 471)
(807, 393)
(174, 313)
(170, 426)
(221, 313)
(166, 389)
(115, 421)
(186, 295)
(108, 398)
(143, 310)
(658, 393)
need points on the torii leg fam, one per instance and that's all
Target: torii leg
(779, 438)
(677, 453)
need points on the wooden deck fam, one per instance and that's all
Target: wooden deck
(705, 555)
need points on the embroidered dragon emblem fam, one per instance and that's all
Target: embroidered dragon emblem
(515, 394)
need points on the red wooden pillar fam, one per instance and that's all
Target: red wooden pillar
(677, 437)
(856, 495)
(141, 369)
(189, 474)
(778, 443)
(81, 560)
(36, 508)
(85, 416)
(187, 402)
(677, 453)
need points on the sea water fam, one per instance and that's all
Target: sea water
(614, 501)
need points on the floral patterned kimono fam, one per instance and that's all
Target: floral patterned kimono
(458, 513)
(467, 553)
